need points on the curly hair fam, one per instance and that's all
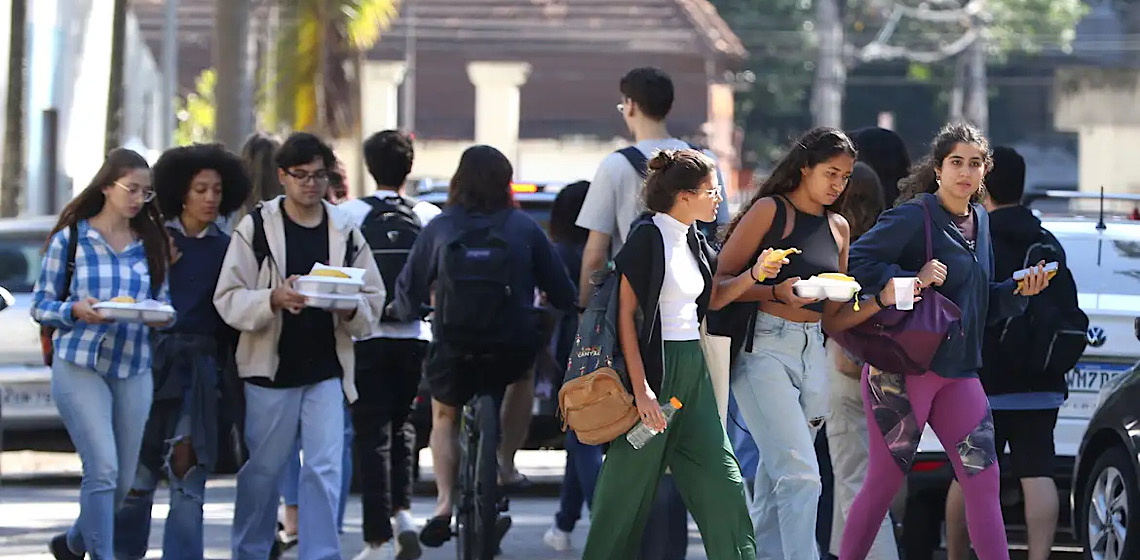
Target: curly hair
(177, 167)
(672, 172)
(813, 148)
(923, 176)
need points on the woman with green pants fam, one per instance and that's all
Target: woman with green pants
(667, 269)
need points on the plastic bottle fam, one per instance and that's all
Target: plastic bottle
(641, 434)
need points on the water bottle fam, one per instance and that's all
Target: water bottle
(641, 434)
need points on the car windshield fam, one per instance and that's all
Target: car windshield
(1104, 266)
(20, 262)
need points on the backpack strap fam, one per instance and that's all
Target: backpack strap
(637, 159)
(350, 248)
(260, 244)
(69, 269)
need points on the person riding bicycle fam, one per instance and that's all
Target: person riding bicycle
(479, 262)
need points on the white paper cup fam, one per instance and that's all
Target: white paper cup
(904, 293)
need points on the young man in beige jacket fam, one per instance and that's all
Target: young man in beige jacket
(297, 361)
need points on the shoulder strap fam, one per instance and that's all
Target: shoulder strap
(928, 221)
(260, 243)
(637, 159)
(69, 270)
(350, 248)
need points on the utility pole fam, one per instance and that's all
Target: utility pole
(169, 72)
(409, 94)
(115, 90)
(231, 29)
(12, 178)
(830, 71)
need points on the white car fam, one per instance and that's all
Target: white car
(1105, 262)
(25, 383)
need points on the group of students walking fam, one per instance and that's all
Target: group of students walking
(143, 402)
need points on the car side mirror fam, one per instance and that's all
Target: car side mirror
(6, 299)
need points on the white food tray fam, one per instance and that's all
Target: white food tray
(331, 302)
(146, 311)
(821, 288)
(326, 285)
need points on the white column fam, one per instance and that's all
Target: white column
(497, 104)
(380, 95)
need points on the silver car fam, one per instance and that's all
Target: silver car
(25, 383)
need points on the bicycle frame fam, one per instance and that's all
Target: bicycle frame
(478, 499)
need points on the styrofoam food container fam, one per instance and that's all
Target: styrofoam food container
(147, 311)
(326, 285)
(821, 288)
(331, 302)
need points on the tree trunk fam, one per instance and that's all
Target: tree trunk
(977, 98)
(958, 91)
(231, 30)
(115, 90)
(12, 180)
(830, 73)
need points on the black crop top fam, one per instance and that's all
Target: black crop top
(810, 234)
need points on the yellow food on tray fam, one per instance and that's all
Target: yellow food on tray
(329, 273)
(1021, 283)
(123, 299)
(836, 276)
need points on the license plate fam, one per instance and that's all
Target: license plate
(1085, 382)
(19, 397)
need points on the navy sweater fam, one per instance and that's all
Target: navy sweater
(533, 260)
(192, 281)
(896, 247)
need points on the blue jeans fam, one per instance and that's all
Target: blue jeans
(272, 422)
(583, 462)
(292, 475)
(105, 418)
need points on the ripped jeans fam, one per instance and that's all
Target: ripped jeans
(185, 366)
(898, 407)
(781, 390)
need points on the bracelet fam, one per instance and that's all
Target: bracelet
(879, 301)
(752, 273)
(776, 298)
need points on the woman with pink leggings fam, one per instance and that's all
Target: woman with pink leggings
(949, 397)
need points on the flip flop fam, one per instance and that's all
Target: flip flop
(517, 485)
(436, 531)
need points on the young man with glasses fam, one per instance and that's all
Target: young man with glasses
(297, 361)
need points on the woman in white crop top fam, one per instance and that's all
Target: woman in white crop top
(667, 272)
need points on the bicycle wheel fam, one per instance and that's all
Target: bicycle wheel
(486, 481)
(466, 527)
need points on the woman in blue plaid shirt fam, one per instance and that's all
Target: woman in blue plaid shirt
(101, 376)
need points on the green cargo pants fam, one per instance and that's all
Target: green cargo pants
(697, 452)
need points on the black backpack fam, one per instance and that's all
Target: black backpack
(473, 287)
(390, 229)
(1051, 336)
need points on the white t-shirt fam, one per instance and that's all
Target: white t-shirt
(683, 282)
(358, 209)
(614, 200)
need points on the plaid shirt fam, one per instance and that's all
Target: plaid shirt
(116, 349)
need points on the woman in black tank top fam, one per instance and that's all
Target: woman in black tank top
(780, 385)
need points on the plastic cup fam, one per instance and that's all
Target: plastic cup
(904, 293)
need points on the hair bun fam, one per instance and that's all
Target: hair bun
(662, 159)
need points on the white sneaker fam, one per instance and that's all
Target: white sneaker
(374, 552)
(407, 537)
(557, 539)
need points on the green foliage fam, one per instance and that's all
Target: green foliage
(1032, 25)
(196, 113)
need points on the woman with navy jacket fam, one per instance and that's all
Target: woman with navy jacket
(949, 397)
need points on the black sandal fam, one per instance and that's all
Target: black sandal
(436, 531)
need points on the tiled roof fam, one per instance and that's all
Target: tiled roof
(651, 26)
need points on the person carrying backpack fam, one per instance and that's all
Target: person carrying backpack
(1025, 391)
(389, 361)
(484, 259)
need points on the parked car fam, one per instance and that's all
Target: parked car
(1104, 257)
(1105, 498)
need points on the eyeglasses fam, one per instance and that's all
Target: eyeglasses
(137, 190)
(320, 177)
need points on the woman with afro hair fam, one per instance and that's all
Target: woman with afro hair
(195, 185)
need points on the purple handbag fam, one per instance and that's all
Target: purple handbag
(905, 341)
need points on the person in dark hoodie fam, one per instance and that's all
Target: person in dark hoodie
(1025, 400)
(941, 191)
(885, 151)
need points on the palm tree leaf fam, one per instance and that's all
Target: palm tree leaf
(365, 19)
